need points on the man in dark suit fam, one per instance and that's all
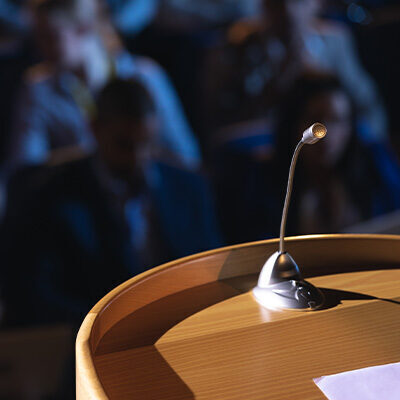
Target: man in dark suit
(76, 228)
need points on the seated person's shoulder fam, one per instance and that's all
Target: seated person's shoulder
(36, 190)
(37, 83)
(62, 167)
(38, 74)
(68, 157)
(70, 167)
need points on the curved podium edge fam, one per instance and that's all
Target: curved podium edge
(88, 385)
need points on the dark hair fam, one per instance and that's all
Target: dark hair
(292, 109)
(124, 98)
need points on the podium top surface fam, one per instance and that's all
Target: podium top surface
(191, 329)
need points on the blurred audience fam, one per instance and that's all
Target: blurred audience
(93, 221)
(340, 181)
(347, 177)
(81, 53)
(269, 54)
(103, 169)
(179, 37)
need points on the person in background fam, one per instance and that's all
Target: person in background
(328, 46)
(345, 178)
(271, 52)
(81, 224)
(81, 53)
(342, 180)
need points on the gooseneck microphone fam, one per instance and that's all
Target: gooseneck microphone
(310, 136)
(280, 284)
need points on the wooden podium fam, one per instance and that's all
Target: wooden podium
(191, 329)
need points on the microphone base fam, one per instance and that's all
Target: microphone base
(281, 286)
(290, 294)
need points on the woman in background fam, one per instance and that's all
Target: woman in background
(344, 179)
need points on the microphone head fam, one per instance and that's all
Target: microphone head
(314, 133)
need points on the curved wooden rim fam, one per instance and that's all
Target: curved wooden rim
(84, 361)
(147, 274)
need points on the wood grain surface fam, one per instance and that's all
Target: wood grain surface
(192, 330)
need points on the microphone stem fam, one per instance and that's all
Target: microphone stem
(288, 195)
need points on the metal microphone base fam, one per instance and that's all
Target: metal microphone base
(281, 286)
(296, 295)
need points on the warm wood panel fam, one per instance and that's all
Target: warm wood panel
(279, 360)
(191, 329)
(239, 312)
(274, 355)
(317, 255)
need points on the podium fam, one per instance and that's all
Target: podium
(191, 329)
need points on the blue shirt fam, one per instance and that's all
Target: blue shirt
(48, 116)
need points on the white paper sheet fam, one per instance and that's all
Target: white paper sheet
(373, 383)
